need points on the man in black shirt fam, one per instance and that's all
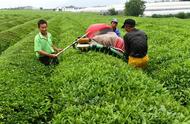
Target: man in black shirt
(136, 45)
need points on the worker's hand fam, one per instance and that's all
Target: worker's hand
(59, 49)
(53, 56)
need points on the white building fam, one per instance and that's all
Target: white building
(165, 8)
(162, 8)
(152, 1)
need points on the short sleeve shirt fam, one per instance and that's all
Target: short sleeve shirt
(43, 43)
(117, 32)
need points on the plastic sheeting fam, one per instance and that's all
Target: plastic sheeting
(102, 33)
(95, 29)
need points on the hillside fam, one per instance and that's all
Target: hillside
(92, 87)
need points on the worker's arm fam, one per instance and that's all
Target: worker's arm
(118, 32)
(146, 37)
(127, 45)
(43, 53)
(56, 49)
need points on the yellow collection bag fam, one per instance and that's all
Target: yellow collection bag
(138, 62)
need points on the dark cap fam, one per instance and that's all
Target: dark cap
(129, 22)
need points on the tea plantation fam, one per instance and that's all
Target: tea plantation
(92, 87)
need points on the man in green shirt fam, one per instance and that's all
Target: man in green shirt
(43, 46)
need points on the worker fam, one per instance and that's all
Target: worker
(114, 24)
(136, 46)
(43, 46)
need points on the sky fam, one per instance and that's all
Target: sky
(57, 3)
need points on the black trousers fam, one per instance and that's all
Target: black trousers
(49, 61)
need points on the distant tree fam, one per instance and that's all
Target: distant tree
(134, 7)
(181, 15)
(41, 8)
(112, 11)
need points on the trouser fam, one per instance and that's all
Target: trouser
(138, 62)
(48, 61)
